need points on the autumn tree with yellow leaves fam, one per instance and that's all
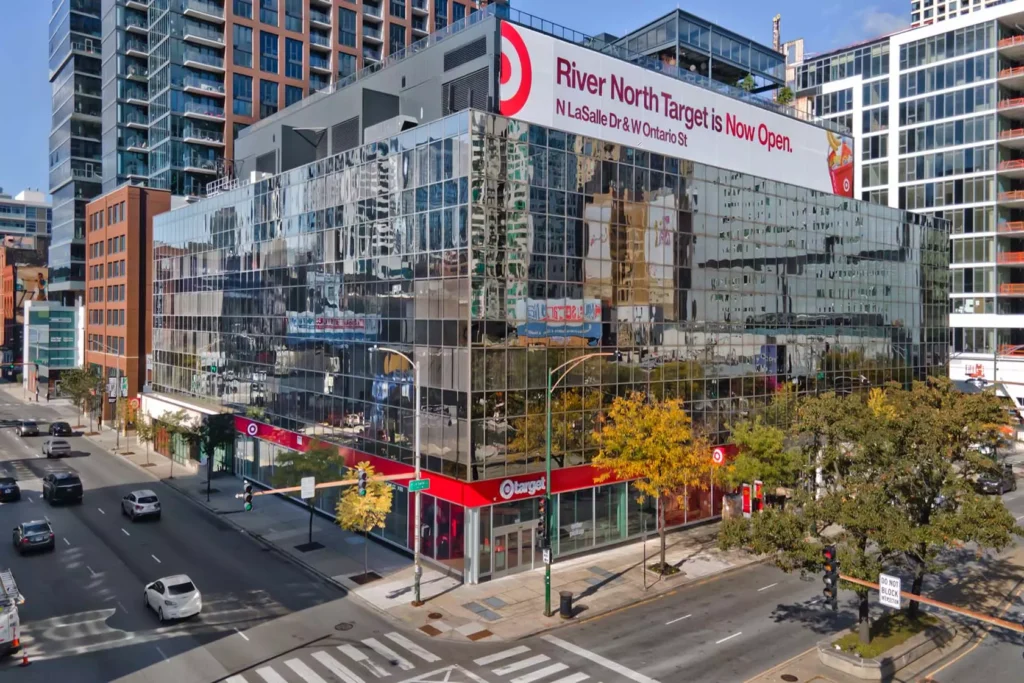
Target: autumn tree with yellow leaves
(363, 514)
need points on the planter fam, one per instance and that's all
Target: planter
(884, 667)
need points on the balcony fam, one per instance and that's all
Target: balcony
(319, 18)
(419, 26)
(323, 3)
(137, 72)
(372, 34)
(138, 4)
(1012, 168)
(1010, 227)
(202, 60)
(136, 48)
(136, 143)
(1011, 289)
(87, 47)
(134, 24)
(134, 119)
(419, 7)
(137, 96)
(194, 84)
(1012, 77)
(204, 9)
(1011, 257)
(1012, 47)
(203, 35)
(1012, 138)
(206, 112)
(317, 63)
(372, 13)
(318, 41)
(200, 136)
(197, 164)
(135, 171)
(1012, 108)
(371, 55)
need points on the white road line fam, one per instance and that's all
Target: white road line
(235, 679)
(504, 654)
(540, 673)
(574, 678)
(66, 541)
(125, 532)
(336, 667)
(31, 499)
(161, 652)
(598, 659)
(669, 623)
(307, 674)
(156, 558)
(770, 585)
(412, 647)
(382, 649)
(1020, 518)
(269, 675)
(242, 634)
(521, 664)
(121, 606)
(719, 642)
(91, 571)
(356, 656)
(101, 511)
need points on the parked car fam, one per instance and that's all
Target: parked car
(60, 429)
(28, 428)
(55, 448)
(142, 503)
(998, 483)
(174, 597)
(9, 490)
(37, 535)
(62, 487)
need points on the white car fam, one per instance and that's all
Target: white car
(142, 503)
(174, 597)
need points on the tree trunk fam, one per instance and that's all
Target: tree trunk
(661, 533)
(864, 625)
(915, 606)
(366, 555)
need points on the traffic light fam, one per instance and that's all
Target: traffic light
(363, 480)
(830, 565)
(247, 490)
(542, 522)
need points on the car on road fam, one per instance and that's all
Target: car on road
(998, 483)
(62, 487)
(28, 428)
(55, 448)
(9, 490)
(174, 597)
(36, 535)
(60, 429)
(142, 503)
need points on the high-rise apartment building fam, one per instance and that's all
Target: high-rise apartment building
(74, 137)
(938, 112)
(26, 219)
(924, 12)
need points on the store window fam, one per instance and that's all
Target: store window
(610, 513)
(575, 524)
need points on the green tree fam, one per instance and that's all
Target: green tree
(145, 433)
(762, 456)
(182, 425)
(363, 514)
(320, 460)
(79, 384)
(654, 443)
(217, 431)
(785, 95)
(747, 83)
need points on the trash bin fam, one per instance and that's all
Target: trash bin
(565, 604)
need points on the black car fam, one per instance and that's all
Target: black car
(9, 490)
(60, 429)
(62, 487)
(28, 428)
(998, 483)
(37, 535)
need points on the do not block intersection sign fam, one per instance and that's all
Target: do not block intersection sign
(889, 590)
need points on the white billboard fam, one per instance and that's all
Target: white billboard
(554, 83)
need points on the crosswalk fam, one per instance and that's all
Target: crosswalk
(521, 664)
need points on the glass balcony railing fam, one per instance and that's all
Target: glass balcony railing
(205, 7)
(135, 170)
(196, 29)
(420, 5)
(136, 46)
(204, 58)
(318, 62)
(371, 54)
(136, 94)
(137, 70)
(204, 110)
(203, 84)
(191, 133)
(196, 161)
(136, 142)
(371, 10)
(135, 117)
(134, 21)
(319, 39)
(318, 16)
(371, 32)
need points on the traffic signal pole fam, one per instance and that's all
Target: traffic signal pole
(327, 485)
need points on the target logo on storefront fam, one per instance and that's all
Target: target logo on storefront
(516, 71)
(718, 456)
(252, 429)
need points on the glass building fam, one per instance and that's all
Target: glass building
(491, 251)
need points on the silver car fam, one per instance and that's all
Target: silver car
(142, 503)
(55, 448)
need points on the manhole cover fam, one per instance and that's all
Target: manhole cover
(789, 678)
(344, 626)
(434, 615)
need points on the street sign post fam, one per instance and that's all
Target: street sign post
(308, 486)
(889, 590)
(546, 554)
(419, 485)
(124, 387)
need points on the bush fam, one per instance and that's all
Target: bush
(890, 630)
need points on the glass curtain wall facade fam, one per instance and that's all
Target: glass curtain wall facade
(492, 251)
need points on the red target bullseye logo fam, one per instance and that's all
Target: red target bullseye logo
(516, 71)
(718, 456)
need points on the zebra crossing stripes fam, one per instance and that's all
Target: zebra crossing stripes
(521, 664)
(336, 667)
(270, 676)
(382, 649)
(412, 647)
(357, 655)
(543, 674)
(307, 674)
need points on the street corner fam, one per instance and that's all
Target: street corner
(440, 624)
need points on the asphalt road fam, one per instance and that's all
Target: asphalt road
(84, 617)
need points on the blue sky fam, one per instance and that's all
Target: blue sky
(24, 39)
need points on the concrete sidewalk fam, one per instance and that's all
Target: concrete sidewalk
(507, 608)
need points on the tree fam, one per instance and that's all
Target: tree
(747, 83)
(145, 432)
(572, 417)
(785, 95)
(183, 425)
(762, 456)
(654, 443)
(363, 514)
(80, 384)
(217, 431)
(320, 460)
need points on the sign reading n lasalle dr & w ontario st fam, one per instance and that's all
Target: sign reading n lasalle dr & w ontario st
(554, 83)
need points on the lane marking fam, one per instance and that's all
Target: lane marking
(504, 654)
(235, 679)
(540, 673)
(669, 623)
(575, 678)
(66, 541)
(121, 606)
(336, 667)
(598, 659)
(94, 574)
(101, 511)
(770, 585)
(356, 656)
(719, 642)
(269, 675)
(307, 674)
(123, 531)
(412, 647)
(1020, 518)
(242, 634)
(161, 652)
(521, 664)
(31, 499)
(382, 649)
(156, 558)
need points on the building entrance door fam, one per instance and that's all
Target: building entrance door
(513, 548)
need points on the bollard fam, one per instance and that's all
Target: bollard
(565, 604)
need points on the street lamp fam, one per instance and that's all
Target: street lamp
(552, 383)
(417, 515)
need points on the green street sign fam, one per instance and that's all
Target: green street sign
(419, 485)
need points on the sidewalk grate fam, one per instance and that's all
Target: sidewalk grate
(496, 603)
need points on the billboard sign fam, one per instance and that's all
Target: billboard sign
(339, 328)
(555, 83)
(560, 319)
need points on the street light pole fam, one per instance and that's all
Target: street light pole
(418, 503)
(552, 383)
